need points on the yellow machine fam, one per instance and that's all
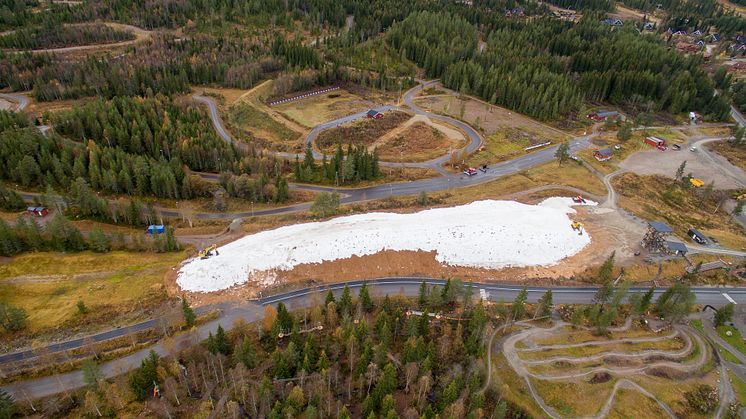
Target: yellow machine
(697, 183)
(208, 251)
(577, 226)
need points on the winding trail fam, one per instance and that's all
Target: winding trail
(139, 33)
(690, 336)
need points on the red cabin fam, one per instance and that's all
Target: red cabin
(374, 114)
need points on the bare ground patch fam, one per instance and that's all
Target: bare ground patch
(360, 133)
(417, 141)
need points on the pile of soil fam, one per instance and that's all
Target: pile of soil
(600, 377)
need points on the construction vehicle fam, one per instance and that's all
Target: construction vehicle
(697, 183)
(577, 226)
(208, 251)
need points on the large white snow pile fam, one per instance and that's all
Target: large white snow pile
(483, 234)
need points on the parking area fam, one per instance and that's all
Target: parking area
(703, 165)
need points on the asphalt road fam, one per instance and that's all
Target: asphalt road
(253, 311)
(21, 100)
(740, 119)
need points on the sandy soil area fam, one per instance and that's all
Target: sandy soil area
(654, 162)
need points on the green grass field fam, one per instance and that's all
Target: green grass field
(48, 285)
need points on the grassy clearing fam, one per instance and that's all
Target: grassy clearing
(361, 133)
(739, 387)
(735, 155)
(671, 269)
(631, 404)
(672, 392)
(727, 355)
(374, 53)
(225, 95)
(249, 119)
(735, 340)
(318, 109)
(513, 387)
(497, 147)
(653, 198)
(547, 174)
(697, 324)
(490, 119)
(665, 345)
(556, 394)
(506, 133)
(51, 284)
(570, 336)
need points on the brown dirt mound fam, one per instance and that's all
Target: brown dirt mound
(416, 142)
(361, 133)
(600, 377)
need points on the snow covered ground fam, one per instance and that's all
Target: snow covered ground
(483, 234)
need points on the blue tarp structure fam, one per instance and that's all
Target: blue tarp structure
(156, 229)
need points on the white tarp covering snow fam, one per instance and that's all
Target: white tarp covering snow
(483, 234)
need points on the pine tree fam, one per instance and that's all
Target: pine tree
(345, 301)
(329, 298)
(546, 304)
(99, 242)
(189, 316)
(422, 298)
(518, 308)
(244, 353)
(364, 298)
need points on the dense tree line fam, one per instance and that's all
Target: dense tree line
(31, 160)
(369, 354)
(54, 35)
(356, 165)
(165, 65)
(59, 234)
(546, 68)
(157, 128)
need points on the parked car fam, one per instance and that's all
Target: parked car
(617, 146)
(470, 171)
(576, 158)
(676, 147)
(692, 149)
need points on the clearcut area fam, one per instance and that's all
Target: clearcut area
(484, 234)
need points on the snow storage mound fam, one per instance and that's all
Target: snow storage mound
(483, 234)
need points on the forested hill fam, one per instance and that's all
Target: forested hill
(546, 68)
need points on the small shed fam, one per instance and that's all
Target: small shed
(38, 211)
(660, 227)
(676, 248)
(697, 236)
(603, 154)
(374, 114)
(156, 229)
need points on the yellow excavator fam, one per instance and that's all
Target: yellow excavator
(208, 251)
(577, 226)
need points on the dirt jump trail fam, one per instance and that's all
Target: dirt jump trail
(663, 359)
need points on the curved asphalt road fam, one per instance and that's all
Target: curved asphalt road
(444, 182)
(21, 100)
(254, 311)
